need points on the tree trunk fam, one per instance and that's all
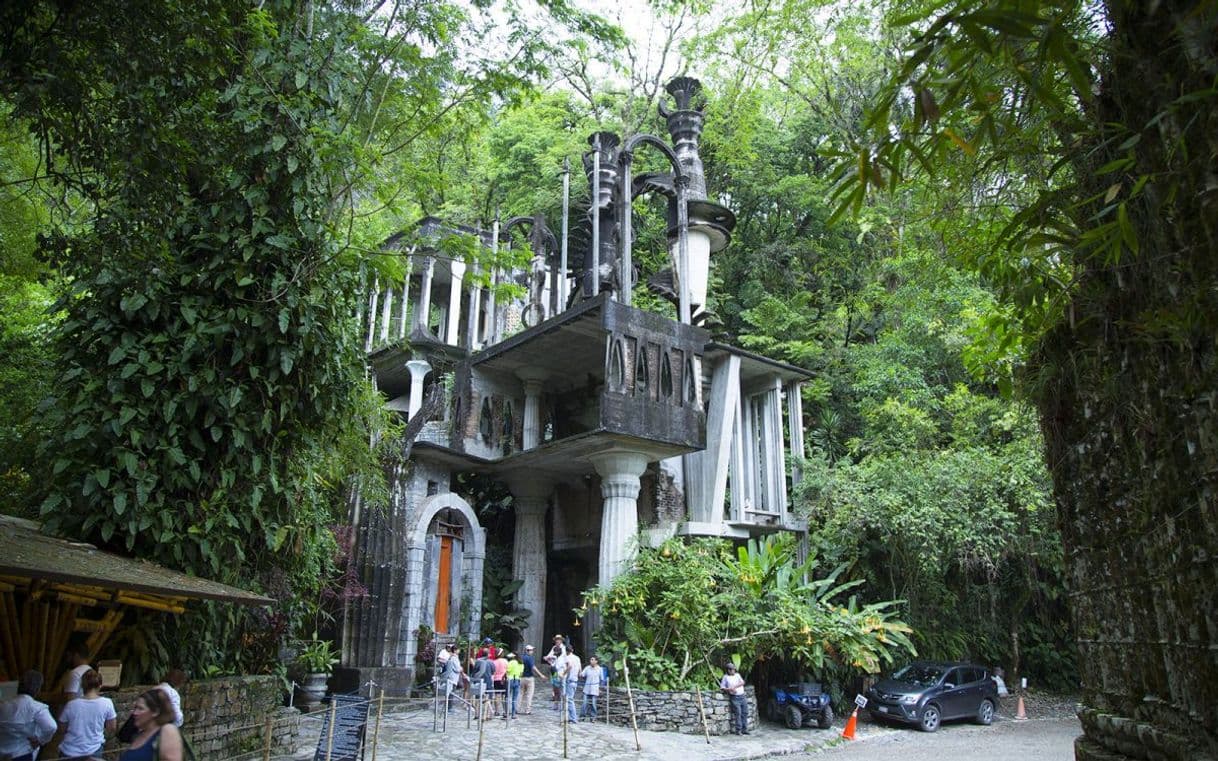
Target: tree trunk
(1128, 397)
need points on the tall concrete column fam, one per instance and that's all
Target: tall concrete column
(418, 371)
(451, 336)
(532, 379)
(619, 471)
(423, 316)
(532, 499)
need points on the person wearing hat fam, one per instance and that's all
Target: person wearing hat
(732, 685)
(514, 670)
(557, 660)
(528, 668)
(488, 650)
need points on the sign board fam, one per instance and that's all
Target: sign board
(1023, 683)
(350, 720)
(111, 673)
(860, 701)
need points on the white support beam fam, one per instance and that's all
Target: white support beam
(720, 425)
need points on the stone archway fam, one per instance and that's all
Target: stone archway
(445, 555)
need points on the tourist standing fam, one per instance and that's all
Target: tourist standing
(78, 656)
(570, 676)
(514, 670)
(481, 678)
(529, 673)
(732, 685)
(25, 724)
(170, 685)
(499, 682)
(87, 720)
(557, 659)
(158, 738)
(593, 676)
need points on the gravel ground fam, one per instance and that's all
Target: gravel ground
(1047, 735)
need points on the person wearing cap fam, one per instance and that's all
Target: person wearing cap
(25, 724)
(514, 670)
(732, 685)
(488, 650)
(528, 668)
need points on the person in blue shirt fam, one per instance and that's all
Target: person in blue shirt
(526, 680)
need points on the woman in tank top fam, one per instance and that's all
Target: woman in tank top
(158, 738)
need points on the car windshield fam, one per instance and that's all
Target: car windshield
(920, 674)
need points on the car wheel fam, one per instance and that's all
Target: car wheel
(794, 718)
(985, 714)
(772, 711)
(826, 718)
(930, 719)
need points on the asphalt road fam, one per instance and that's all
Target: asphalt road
(1005, 740)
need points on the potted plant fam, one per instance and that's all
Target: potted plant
(314, 662)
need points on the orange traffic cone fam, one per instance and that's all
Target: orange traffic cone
(848, 732)
(1020, 713)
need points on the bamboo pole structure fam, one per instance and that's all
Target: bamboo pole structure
(702, 714)
(634, 722)
(267, 737)
(380, 708)
(330, 733)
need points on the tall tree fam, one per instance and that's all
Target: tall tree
(1109, 270)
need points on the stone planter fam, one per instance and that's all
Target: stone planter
(310, 691)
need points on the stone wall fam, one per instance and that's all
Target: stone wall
(677, 711)
(226, 717)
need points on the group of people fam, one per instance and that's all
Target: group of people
(86, 718)
(503, 684)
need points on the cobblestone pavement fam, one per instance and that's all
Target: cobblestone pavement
(406, 732)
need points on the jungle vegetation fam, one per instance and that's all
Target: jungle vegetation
(982, 226)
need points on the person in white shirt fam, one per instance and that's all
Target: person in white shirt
(732, 685)
(593, 676)
(25, 724)
(571, 666)
(87, 720)
(170, 685)
(70, 686)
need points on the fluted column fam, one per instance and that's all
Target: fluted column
(418, 371)
(532, 499)
(532, 379)
(619, 470)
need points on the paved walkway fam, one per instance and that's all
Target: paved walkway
(406, 733)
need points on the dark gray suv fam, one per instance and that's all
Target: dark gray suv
(926, 693)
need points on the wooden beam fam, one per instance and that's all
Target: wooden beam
(8, 628)
(10, 609)
(99, 637)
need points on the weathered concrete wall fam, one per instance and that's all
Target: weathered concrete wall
(677, 711)
(226, 717)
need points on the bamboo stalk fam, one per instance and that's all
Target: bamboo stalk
(376, 728)
(634, 722)
(330, 734)
(702, 715)
(266, 744)
(7, 641)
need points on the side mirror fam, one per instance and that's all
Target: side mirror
(949, 686)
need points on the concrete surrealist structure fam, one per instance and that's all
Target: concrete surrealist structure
(610, 425)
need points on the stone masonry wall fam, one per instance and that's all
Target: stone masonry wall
(677, 711)
(226, 717)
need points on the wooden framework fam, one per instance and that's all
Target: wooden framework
(40, 617)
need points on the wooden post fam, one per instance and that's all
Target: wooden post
(330, 734)
(266, 746)
(380, 708)
(562, 706)
(634, 722)
(481, 722)
(702, 714)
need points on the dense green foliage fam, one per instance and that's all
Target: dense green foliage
(684, 608)
(209, 405)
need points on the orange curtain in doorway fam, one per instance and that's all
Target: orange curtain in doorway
(444, 583)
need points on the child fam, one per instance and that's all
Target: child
(592, 676)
